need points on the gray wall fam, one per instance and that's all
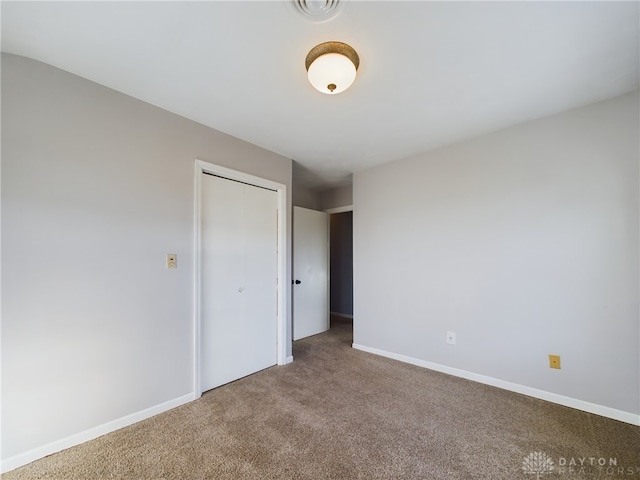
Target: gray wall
(337, 197)
(305, 197)
(524, 242)
(341, 262)
(96, 188)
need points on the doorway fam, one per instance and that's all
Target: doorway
(341, 264)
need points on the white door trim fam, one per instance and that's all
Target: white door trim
(346, 208)
(281, 189)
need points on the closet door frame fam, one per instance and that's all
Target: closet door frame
(281, 190)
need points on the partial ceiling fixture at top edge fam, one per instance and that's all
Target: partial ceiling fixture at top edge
(318, 10)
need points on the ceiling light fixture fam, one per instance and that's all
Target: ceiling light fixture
(331, 67)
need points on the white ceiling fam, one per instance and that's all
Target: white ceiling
(431, 73)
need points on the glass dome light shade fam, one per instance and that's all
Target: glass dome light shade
(332, 73)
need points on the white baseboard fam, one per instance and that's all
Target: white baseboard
(601, 410)
(73, 440)
(288, 360)
(344, 315)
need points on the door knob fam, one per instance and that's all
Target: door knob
(298, 282)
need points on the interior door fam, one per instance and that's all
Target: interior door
(238, 280)
(310, 272)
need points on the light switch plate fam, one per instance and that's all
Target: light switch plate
(172, 260)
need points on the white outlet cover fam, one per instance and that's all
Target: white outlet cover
(451, 338)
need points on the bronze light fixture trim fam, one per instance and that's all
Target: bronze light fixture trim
(332, 66)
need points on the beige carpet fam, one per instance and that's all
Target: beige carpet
(338, 413)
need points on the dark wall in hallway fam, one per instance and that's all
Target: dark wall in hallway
(342, 263)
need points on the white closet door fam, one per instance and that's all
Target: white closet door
(239, 280)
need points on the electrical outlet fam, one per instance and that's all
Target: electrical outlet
(451, 338)
(554, 361)
(172, 260)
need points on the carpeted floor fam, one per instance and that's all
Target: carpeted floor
(339, 413)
